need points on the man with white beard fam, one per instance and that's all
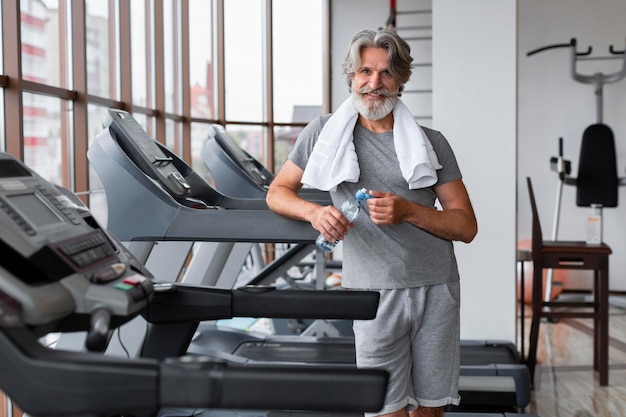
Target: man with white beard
(402, 245)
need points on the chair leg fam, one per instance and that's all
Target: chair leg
(603, 334)
(597, 321)
(531, 361)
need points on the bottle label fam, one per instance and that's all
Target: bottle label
(324, 244)
(594, 229)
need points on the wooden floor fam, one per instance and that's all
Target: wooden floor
(565, 384)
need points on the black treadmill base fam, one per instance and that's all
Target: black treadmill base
(190, 412)
(479, 409)
(499, 400)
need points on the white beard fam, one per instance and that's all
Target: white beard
(376, 110)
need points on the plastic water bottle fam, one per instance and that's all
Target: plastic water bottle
(350, 209)
(594, 225)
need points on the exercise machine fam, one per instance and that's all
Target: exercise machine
(61, 272)
(183, 206)
(249, 178)
(597, 180)
(236, 173)
(492, 375)
(187, 215)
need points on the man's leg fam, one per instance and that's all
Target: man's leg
(399, 413)
(383, 343)
(427, 412)
(436, 347)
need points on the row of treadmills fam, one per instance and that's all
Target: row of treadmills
(136, 304)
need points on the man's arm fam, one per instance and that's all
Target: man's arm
(456, 221)
(282, 198)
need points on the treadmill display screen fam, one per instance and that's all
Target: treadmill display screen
(33, 209)
(10, 168)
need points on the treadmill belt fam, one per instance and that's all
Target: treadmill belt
(298, 352)
(275, 351)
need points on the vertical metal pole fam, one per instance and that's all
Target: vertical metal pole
(597, 81)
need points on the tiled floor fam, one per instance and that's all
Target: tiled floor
(565, 384)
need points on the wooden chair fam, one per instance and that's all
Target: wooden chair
(570, 255)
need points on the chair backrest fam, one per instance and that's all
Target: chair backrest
(537, 235)
(597, 181)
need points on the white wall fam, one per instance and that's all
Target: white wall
(474, 102)
(348, 18)
(553, 105)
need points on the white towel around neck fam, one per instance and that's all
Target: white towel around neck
(334, 159)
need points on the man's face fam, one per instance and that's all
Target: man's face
(374, 90)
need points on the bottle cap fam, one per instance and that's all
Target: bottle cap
(362, 194)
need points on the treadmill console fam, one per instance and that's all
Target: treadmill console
(249, 165)
(159, 163)
(56, 261)
(146, 153)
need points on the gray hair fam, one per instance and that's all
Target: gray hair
(399, 57)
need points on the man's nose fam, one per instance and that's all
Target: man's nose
(375, 81)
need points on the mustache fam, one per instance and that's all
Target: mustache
(379, 91)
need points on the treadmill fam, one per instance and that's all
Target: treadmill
(236, 173)
(492, 373)
(119, 166)
(61, 272)
(247, 177)
(185, 208)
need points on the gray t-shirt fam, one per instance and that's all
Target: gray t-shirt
(392, 256)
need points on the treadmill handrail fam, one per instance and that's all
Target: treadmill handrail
(53, 382)
(184, 303)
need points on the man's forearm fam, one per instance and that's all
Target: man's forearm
(288, 203)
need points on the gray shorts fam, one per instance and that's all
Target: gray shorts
(416, 338)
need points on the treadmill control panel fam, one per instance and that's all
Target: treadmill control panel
(56, 260)
(240, 157)
(145, 152)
